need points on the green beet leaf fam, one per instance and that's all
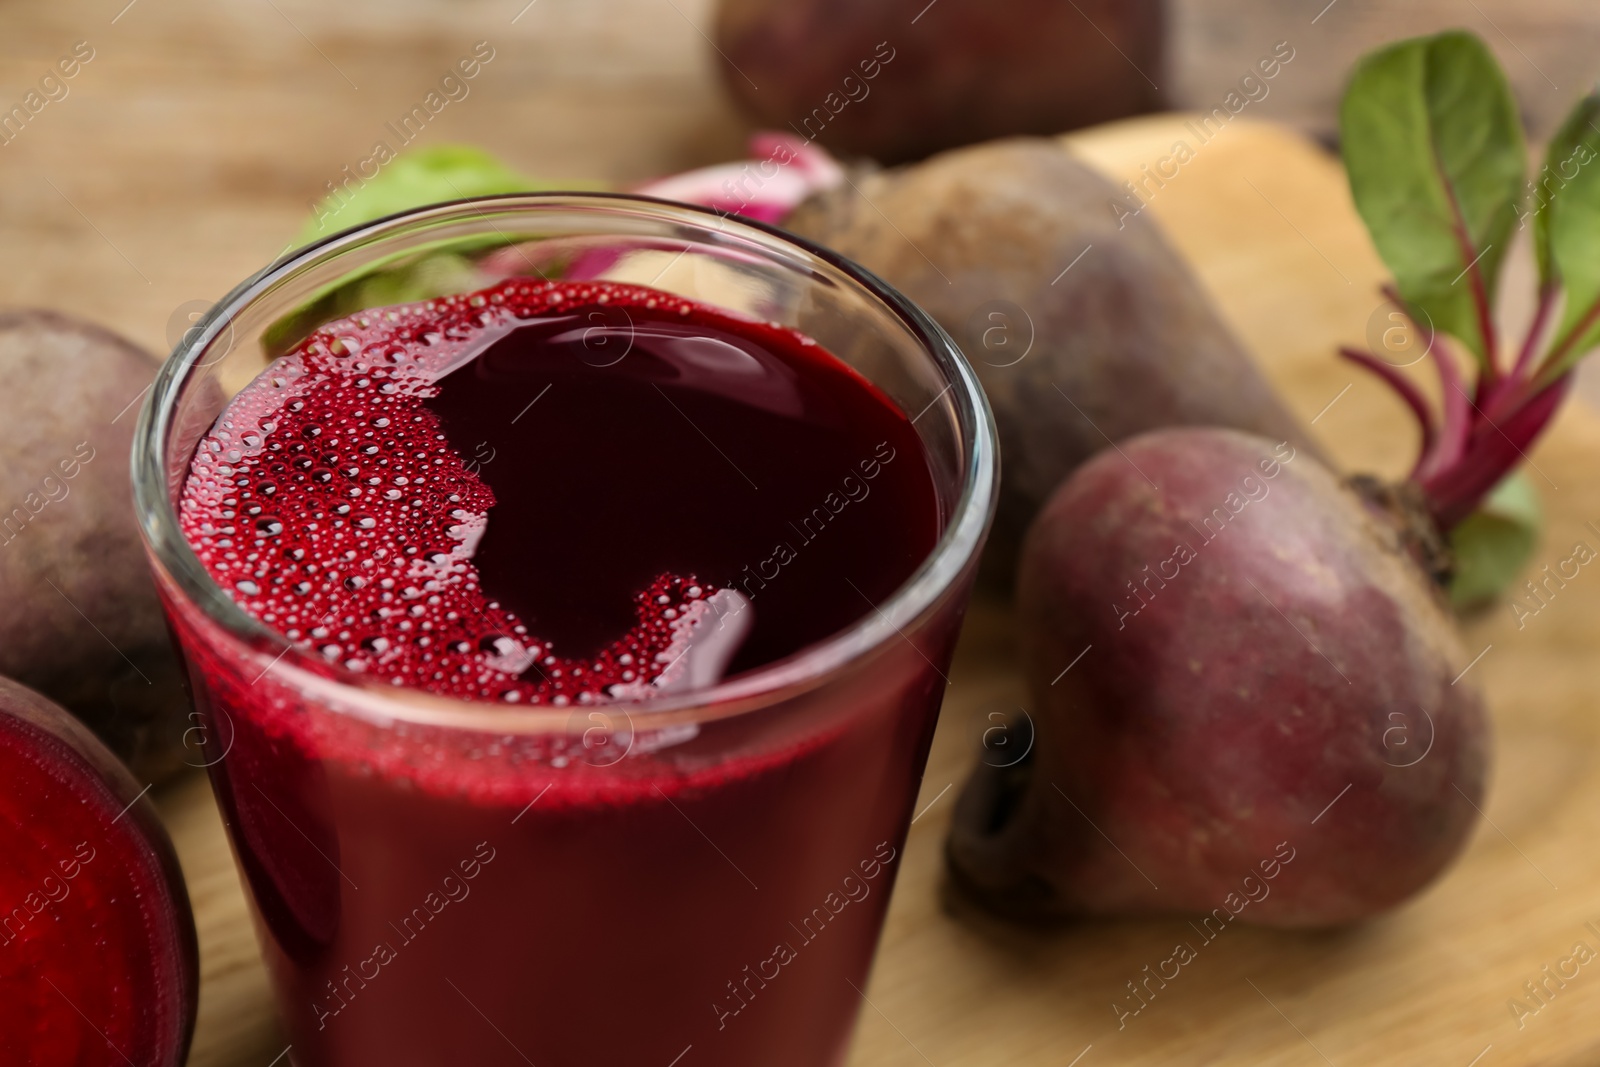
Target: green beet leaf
(1567, 230)
(1570, 149)
(1494, 544)
(1434, 151)
(414, 179)
(410, 180)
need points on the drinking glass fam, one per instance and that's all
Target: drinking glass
(693, 882)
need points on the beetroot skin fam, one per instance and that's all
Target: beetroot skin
(1123, 342)
(79, 618)
(897, 80)
(98, 958)
(1262, 720)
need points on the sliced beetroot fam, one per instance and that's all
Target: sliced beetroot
(98, 958)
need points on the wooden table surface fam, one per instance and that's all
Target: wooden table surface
(184, 157)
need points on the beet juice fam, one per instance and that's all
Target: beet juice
(587, 498)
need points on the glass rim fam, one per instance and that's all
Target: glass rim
(764, 686)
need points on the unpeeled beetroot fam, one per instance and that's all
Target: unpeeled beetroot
(898, 79)
(1240, 663)
(1235, 658)
(1081, 331)
(98, 958)
(79, 619)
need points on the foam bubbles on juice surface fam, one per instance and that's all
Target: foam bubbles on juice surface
(327, 501)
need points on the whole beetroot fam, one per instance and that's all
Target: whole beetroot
(896, 80)
(80, 620)
(1082, 330)
(1249, 694)
(1243, 698)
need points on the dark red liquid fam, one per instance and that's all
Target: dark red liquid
(521, 496)
(707, 448)
(440, 494)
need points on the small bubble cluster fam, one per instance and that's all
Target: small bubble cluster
(328, 503)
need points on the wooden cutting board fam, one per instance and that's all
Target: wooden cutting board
(1265, 218)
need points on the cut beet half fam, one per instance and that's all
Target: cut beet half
(98, 958)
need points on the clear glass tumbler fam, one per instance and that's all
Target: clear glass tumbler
(699, 881)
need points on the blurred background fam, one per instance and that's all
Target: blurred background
(191, 143)
(185, 153)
